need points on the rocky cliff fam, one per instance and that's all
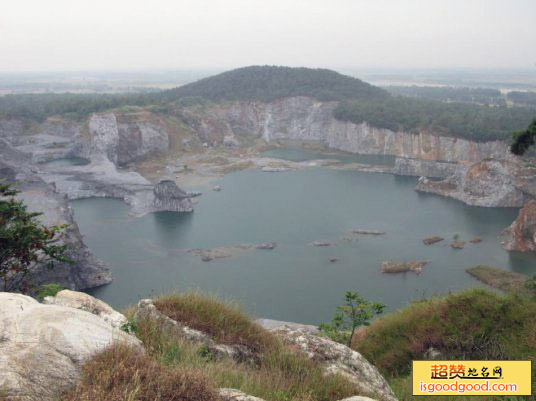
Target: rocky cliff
(306, 119)
(105, 144)
(488, 183)
(521, 235)
(87, 271)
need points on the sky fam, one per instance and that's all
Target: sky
(65, 35)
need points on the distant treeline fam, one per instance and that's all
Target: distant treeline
(359, 102)
(523, 98)
(469, 121)
(483, 96)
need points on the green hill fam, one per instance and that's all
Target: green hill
(268, 83)
(359, 102)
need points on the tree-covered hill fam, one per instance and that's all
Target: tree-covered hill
(268, 83)
(359, 102)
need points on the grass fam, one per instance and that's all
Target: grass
(280, 373)
(122, 373)
(501, 279)
(223, 321)
(471, 325)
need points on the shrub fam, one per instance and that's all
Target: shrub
(355, 312)
(25, 244)
(224, 322)
(474, 324)
(123, 373)
(48, 290)
(280, 375)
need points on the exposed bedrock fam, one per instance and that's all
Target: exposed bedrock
(423, 168)
(521, 235)
(168, 196)
(47, 190)
(488, 183)
(87, 271)
(304, 118)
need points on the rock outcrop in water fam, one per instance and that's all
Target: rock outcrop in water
(521, 235)
(168, 196)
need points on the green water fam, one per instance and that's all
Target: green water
(296, 281)
(297, 154)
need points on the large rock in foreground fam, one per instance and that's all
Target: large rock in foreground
(339, 359)
(43, 346)
(83, 301)
(521, 235)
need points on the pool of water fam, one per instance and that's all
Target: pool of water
(296, 281)
(297, 154)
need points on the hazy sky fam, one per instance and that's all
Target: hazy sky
(165, 34)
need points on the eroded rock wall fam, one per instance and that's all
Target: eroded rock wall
(87, 271)
(306, 119)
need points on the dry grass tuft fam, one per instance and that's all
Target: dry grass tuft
(224, 322)
(122, 373)
(281, 375)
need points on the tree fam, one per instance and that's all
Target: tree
(524, 139)
(25, 244)
(356, 311)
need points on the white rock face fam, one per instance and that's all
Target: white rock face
(488, 183)
(339, 359)
(85, 302)
(43, 346)
(105, 137)
(230, 394)
(306, 119)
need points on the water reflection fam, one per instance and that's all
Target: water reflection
(171, 228)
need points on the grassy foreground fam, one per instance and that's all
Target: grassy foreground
(471, 325)
(474, 324)
(175, 369)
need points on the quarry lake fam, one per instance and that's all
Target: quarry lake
(296, 281)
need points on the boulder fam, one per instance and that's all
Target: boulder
(521, 235)
(432, 240)
(83, 301)
(271, 324)
(339, 359)
(42, 347)
(402, 267)
(322, 243)
(368, 232)
(266, 245)
(230, 394)
(457, 244)
(230, 141)
(358, 398)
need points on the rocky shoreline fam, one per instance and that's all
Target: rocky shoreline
(133, 157)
